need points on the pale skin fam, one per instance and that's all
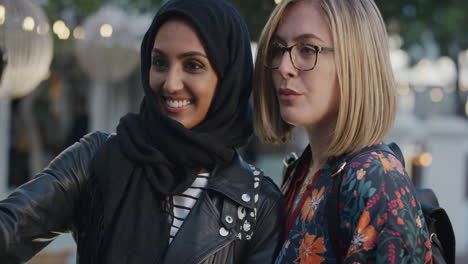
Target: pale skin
(316, 106)
(181, 75)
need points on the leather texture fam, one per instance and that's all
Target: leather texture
(38, 211)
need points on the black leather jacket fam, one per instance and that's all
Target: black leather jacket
(39, 210)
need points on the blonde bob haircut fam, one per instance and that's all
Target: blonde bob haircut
(367, 89)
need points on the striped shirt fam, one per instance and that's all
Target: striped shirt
(184, 202)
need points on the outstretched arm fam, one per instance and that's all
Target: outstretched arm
(39, 210)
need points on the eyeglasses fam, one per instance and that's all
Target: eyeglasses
(304, 56)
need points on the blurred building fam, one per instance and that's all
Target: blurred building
(433, 134)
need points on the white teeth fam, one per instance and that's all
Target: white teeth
(177, 103)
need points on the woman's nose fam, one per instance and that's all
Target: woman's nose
(173, 82)
(286, 67)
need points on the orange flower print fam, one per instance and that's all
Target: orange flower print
(396, 164)
(418, 222)
(427, 243)
(397, 194)
(400, 204)
(428, 257)
(400, 221)
(383, 219)
(387, 166)
(311, 204)
(365, 235)
(310, 249)
(360, 174)
(403, 191)
(398, 200)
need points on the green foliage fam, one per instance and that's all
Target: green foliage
(447, 21)
(255, 13)
(78, 9)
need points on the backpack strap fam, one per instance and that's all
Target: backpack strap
(290, 163)
(439, 226)
(333, 214)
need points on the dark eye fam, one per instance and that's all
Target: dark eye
(306, 50)
(159, 63)
(193, 66)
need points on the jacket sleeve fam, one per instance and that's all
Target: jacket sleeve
(266, 242)
(39, 210)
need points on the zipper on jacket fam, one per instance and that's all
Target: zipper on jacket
(216, 250)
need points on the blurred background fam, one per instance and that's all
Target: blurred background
(72, 66)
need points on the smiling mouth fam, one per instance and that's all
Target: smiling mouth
(176, 105)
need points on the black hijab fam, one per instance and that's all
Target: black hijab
(153, 157)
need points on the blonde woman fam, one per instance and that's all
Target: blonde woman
(324, 65)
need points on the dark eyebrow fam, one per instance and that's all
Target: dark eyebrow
(183, 55)
(300, 38)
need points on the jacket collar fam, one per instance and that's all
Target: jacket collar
(236, 181)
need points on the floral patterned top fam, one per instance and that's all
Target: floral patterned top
(380, 219)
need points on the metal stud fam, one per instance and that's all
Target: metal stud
(223, 232)
(246, 197)
(229, 219)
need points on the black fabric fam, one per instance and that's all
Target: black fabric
(333, 217)
(440, 228)
(153, 156)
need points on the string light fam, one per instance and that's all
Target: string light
(2, 14)
(78, 33)
(58, 27)
(425, 159)
(437, 95)
(463, 86)
(64, 34)
(42, 28)
(28, 24)
(106, 31)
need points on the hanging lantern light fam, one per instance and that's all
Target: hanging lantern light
(107, 47)
(108, 50)
(27, 44)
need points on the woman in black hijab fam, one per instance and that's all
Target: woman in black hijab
(169, 187)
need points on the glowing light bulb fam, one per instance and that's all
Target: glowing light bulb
(437, 95)
(2, 14)
(28, 23)
(78, 33)
(106, 31)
